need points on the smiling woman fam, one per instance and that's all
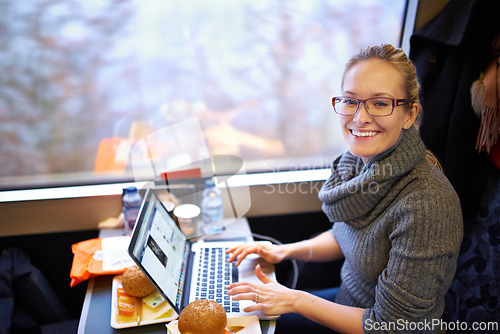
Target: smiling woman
(388, 106)
(397, 219)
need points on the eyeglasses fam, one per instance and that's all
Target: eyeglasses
(376, 106)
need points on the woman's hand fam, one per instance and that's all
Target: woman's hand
(269, 252)
(269, 297)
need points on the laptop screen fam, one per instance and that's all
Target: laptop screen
(161, 248)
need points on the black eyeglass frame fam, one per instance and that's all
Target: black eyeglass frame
(395, 103)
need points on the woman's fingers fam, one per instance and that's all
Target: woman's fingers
(260, 275)
(246, 296)
(267, 296)
(239, 253)
(235, 253)
(254, 307)
(248, 291)
(241, 290)
(270, 253)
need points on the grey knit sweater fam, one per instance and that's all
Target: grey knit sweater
(399, 225)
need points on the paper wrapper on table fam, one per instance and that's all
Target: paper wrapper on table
(99, 256)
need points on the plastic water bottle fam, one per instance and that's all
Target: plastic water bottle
(131, 205)
(211, 207)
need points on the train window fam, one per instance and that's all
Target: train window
(83, 81)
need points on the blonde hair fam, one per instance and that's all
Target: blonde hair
(398, 59)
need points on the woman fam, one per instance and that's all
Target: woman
(397, 219)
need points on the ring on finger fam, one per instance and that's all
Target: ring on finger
(256, 297)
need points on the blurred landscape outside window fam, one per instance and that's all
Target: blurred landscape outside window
(83, 80)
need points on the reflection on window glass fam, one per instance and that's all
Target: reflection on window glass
(83, 80)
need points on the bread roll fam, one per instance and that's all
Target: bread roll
(202, 316)
(135, 283)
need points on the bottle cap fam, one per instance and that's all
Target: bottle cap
(130, 189)
(209, 183)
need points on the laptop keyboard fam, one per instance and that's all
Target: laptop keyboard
(214, 275)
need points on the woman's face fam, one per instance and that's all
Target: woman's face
(367, 135)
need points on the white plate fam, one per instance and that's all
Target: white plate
(146, 314)
(251, 324)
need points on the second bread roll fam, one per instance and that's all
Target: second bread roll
(136, 284)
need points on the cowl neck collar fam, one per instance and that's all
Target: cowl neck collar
(354, 189)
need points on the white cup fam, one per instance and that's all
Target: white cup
(187, 215)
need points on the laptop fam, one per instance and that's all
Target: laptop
(184, 270)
